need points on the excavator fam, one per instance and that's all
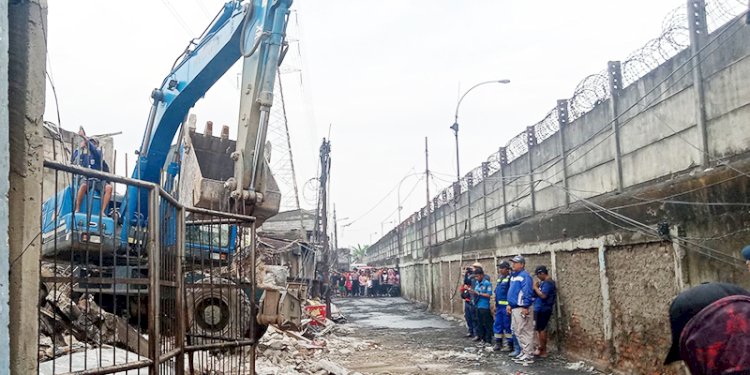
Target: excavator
(199, 171)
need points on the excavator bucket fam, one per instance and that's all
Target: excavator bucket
(207, 165)
(283, 307)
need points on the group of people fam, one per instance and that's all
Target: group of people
(523, 308)
(370, 282)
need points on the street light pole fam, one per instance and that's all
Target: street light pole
(398, 193)
(454, 127)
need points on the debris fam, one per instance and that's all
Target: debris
(67, 326)
(88, 359)
(275, 276)
(580, 365)
(332, 368)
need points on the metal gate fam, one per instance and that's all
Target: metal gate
(102, 307)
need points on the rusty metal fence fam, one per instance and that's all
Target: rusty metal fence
(174, 295)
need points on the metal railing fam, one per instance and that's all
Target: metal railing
(175, 295)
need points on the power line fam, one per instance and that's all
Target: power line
(203, 8)
(388, 194)
(405, 198)
(650, 231)
(178, 18)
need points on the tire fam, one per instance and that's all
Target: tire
(220, 313)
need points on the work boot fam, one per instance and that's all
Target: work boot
(477, 338)
(469, 335)
(498, 347)
(515, 353)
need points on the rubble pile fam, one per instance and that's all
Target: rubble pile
(67, 325)
(293, 353)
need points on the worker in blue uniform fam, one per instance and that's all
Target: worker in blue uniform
(89, 155)
(546, 291)
(501, 328)
(520, 299)
(483, 294)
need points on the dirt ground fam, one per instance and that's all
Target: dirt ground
(409, 340)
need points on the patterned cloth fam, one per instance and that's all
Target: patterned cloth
(717, 339)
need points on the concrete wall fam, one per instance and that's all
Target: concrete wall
(26, 67)
(615, 280)
(4, 186)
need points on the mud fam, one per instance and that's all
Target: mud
(410, 340)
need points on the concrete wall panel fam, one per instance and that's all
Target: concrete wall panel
(640, 304)
(579, 296)
(595, 181)
(595, 152)
(652, 161)
(657, 122)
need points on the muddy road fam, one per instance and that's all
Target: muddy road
(410, 340)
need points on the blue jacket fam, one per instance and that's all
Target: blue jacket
(484, 287)
(475, 285)
(549, 289)
(501, 290)
(521, 291)
(91, 159)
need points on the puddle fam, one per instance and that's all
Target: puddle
(395, 313)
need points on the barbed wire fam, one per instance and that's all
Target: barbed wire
(719, 12)
(590, 92)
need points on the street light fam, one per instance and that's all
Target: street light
(454, 127)
(398, 192)
(382, 223)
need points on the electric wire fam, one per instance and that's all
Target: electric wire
(652, 232)
(388, 194)
(177, 17)
(203, 8)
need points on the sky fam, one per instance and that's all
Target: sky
(377, 76)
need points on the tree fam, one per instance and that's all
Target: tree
(359, 252)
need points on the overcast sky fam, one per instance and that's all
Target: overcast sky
(383, 74)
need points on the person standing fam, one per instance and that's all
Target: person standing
(746, 256)
(520, 294)
(483, 293)
(546, 292)
(465, 291)
(363, 281)
(503, 337)
(348, 284)
(355, 283)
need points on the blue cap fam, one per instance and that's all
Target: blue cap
(746, 252)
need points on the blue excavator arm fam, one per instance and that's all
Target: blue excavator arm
(253, 31)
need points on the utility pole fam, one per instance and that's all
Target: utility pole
(429, 216)
(325, 170)
(335, 238)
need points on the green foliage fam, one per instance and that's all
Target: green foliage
(359, 252)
